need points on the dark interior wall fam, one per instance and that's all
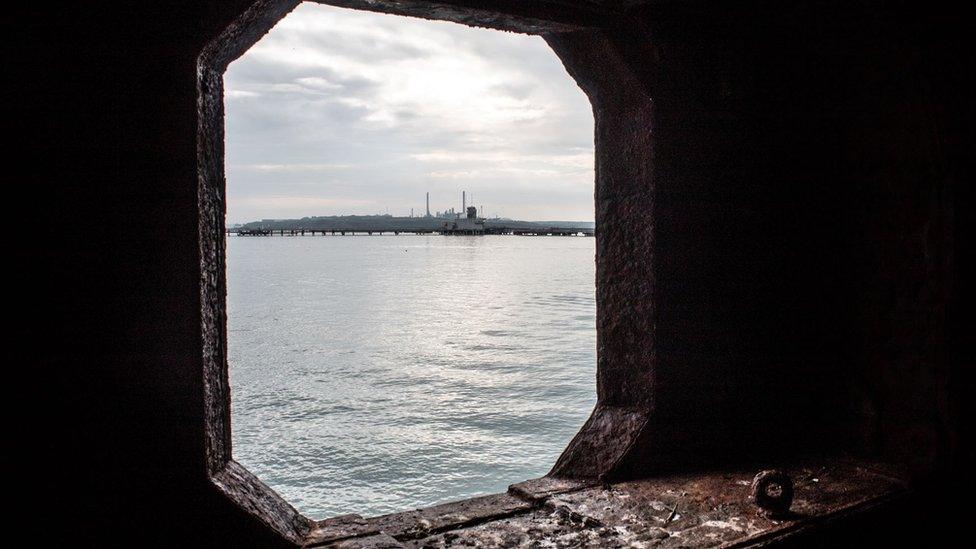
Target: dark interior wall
(102, 112)
(913, 319)
(809, 204)
(908, 175)
(781, 275)
(803, 227)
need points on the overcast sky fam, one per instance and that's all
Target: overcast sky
(339, 111)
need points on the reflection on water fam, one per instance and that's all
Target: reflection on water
(377, 374)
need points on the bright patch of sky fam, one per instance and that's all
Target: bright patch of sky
(340, 112)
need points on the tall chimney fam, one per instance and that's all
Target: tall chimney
(428, 204)
(464, 201)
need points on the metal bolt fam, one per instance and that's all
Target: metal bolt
(772, 491)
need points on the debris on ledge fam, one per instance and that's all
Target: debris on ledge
(712, 509)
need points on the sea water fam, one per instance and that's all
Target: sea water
(373, 374)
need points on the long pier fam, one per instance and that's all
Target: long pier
(518, 231)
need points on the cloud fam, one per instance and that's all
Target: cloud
(483, 174)
(299, 202)
(291, 167)
(583, 160)
(361, 112)
(240, 94)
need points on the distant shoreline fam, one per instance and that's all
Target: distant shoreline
(391, 223)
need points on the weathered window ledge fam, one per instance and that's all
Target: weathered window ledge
(700, 510)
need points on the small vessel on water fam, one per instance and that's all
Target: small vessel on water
(471, 224)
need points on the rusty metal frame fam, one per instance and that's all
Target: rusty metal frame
(549, 18)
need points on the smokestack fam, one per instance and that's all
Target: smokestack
(428, 204)
(464, 201)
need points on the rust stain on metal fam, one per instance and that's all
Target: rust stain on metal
(539, 489)
(424, 522)
(701, 510)
(340, 528)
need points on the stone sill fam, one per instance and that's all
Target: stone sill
(709, 509)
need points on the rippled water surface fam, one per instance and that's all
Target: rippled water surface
(373, 374)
